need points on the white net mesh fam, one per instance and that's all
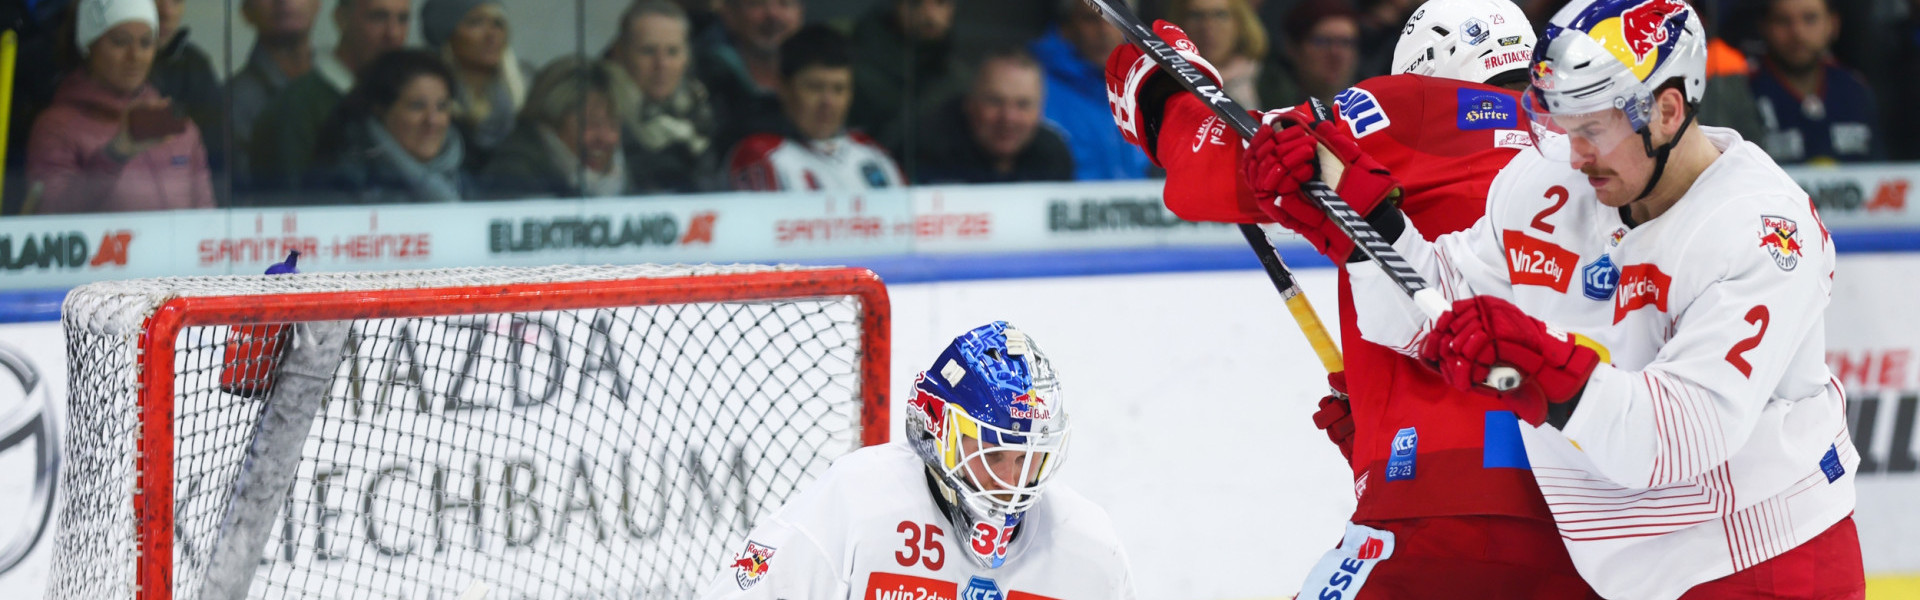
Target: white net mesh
(600, 452)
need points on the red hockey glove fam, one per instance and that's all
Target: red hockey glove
(1137, 88)
(1278, 163)
(1484, 331)
(1335, 415)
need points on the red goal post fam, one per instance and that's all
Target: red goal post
(707, 329)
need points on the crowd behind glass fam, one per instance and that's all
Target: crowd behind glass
(117, 109)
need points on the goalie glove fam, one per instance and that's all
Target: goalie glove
(1484, 331)
(1138, 89)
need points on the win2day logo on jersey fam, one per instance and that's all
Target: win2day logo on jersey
(1487, 110)
(1361, 111)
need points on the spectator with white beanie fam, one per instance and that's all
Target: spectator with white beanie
(109, 141)
(473, 36)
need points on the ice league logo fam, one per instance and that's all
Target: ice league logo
(1781, 237)
(981, 588)
(1406, 443)
(1599, 278)
(752, 564)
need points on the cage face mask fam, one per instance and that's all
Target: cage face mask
(988, 421)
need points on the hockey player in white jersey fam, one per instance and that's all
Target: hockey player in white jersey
(964, 508)
(1660, 285)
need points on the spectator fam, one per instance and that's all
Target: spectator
(472, 35)
(740, 62)
(567, 143)
(811, 149)
(1073, 57)
(282, 51)
(1815, 110)
(904, 65)
(1323, 42)
(1380, 24)
(391, 140)
(1230, 36)
(666, 122)
(1729, 100)
(993, 134)
(1901, 88)
(184, 74)
(92, 150)
(285, 133)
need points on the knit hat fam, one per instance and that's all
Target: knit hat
(438, 18)
(97, 16)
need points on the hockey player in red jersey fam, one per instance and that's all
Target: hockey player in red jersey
(1447, 507)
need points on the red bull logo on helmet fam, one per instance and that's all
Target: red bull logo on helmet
(931, 408)
(1643, 34)
(1030, 406)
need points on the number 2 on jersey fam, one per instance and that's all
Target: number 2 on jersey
(1559, 194)
(1737, 355)
(922, 537)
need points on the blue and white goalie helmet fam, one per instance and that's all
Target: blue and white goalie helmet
(1597, 66)
(988, 420)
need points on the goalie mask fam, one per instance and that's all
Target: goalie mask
(987, 420)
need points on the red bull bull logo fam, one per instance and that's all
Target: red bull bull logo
(1643, 34)
(931, 409)
(1645, 25)
(752, 564)
(1030, 406)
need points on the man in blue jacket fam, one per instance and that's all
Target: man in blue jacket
(1073, 57)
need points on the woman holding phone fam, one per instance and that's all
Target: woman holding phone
(109, 142)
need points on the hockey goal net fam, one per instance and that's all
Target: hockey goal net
(502, 433)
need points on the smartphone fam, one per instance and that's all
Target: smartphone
(151, 122)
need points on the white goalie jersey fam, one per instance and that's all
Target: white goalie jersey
(1716, 438)
(869, 529)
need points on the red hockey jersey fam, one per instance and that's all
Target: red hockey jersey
(1420, 448)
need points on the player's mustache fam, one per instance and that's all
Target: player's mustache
(1596, 172)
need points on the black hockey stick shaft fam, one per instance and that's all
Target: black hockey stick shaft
(1351, 223)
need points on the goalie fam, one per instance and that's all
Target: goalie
(986, 434)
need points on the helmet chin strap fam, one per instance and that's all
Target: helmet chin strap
(1659, 155)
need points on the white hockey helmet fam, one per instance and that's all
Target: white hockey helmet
(1482, 41)
(1600, 55)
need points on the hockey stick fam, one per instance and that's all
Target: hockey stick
(1354, 225)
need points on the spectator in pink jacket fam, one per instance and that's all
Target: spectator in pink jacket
(109, 142)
